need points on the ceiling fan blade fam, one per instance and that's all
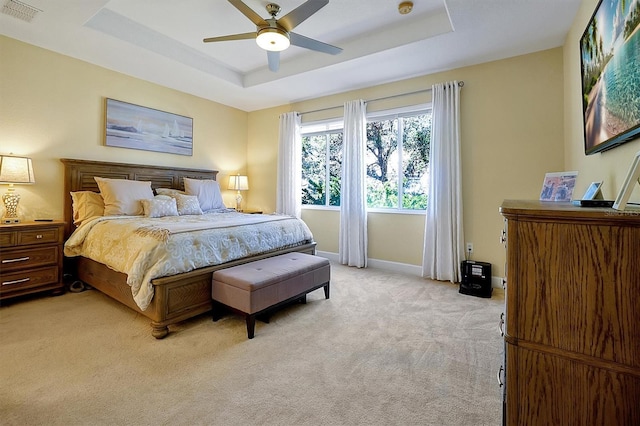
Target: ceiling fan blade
(309, 43)
(301, 13)
(243, 36)
(248, 12)
(274, 60)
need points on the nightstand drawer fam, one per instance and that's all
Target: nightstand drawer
(38, 236)
(7, 239)
(26, 279)
(10, 260)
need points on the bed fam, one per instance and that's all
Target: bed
(175, 297)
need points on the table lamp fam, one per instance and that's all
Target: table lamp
(13, 170)
(238, 183)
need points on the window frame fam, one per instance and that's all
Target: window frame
(337, 125)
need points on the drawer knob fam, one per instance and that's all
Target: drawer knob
(23, 280)
(39, 236)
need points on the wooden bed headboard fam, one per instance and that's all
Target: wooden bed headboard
(79, 176)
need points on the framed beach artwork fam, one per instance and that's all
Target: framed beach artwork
(610, 70)
(137, 127)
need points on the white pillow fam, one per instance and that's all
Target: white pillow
(86, 204)
(160, 206)
(188, 204)
(207, 191)
(122, 196)
(169, 191)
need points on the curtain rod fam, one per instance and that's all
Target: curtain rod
(460, 84)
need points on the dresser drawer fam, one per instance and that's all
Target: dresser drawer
(11, 260)
(26, 279)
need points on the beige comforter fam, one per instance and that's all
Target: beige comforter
(147, 248)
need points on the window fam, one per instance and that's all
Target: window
(397, 158)
(321, 162)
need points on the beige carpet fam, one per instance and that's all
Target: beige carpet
(386, 349)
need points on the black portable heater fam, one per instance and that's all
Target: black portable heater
(476, 278)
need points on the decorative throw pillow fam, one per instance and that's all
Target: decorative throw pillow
(207, 191)
(160, 207)
(86, 204)
(122, 196)
(188, 204)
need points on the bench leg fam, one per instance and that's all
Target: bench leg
(326, 291)
(251, 325)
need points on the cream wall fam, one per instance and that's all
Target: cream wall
(610, 166)
(512, 134)
(52, 107)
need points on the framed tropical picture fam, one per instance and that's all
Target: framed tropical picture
(137, 127)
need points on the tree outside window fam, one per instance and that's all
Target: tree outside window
(321, 166)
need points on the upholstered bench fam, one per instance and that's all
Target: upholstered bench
(256, 288)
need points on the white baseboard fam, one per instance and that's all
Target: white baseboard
(405, 268)
(381, 264)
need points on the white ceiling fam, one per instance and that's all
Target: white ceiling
(161, 41)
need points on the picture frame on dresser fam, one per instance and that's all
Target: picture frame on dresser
(558, 186)
(633, 177)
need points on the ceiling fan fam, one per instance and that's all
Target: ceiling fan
(274, 35)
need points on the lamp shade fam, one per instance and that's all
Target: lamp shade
(16, 170)
(238, 183)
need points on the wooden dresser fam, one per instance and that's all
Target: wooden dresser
(572, 336)
(31, 258)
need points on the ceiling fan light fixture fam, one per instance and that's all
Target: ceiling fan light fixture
(273, 39)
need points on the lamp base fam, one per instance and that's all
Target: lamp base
(11, 200)
(239, 202)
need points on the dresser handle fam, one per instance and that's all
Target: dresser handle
(501, 325)
(39, 237)
(23, 280)
(20, 259)
(500, 384)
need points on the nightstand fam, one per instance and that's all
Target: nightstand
(31, 258)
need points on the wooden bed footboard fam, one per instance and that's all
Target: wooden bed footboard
(176, 298)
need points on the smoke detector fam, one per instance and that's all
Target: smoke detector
(405, 7)
(20, 10)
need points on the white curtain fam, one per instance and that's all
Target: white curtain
(289, 192)
(353, 198)
(443, 238)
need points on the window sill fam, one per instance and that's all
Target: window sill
(372, 210)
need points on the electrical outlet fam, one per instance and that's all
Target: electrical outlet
(469, 248)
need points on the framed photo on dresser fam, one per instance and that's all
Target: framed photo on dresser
(558, 186)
